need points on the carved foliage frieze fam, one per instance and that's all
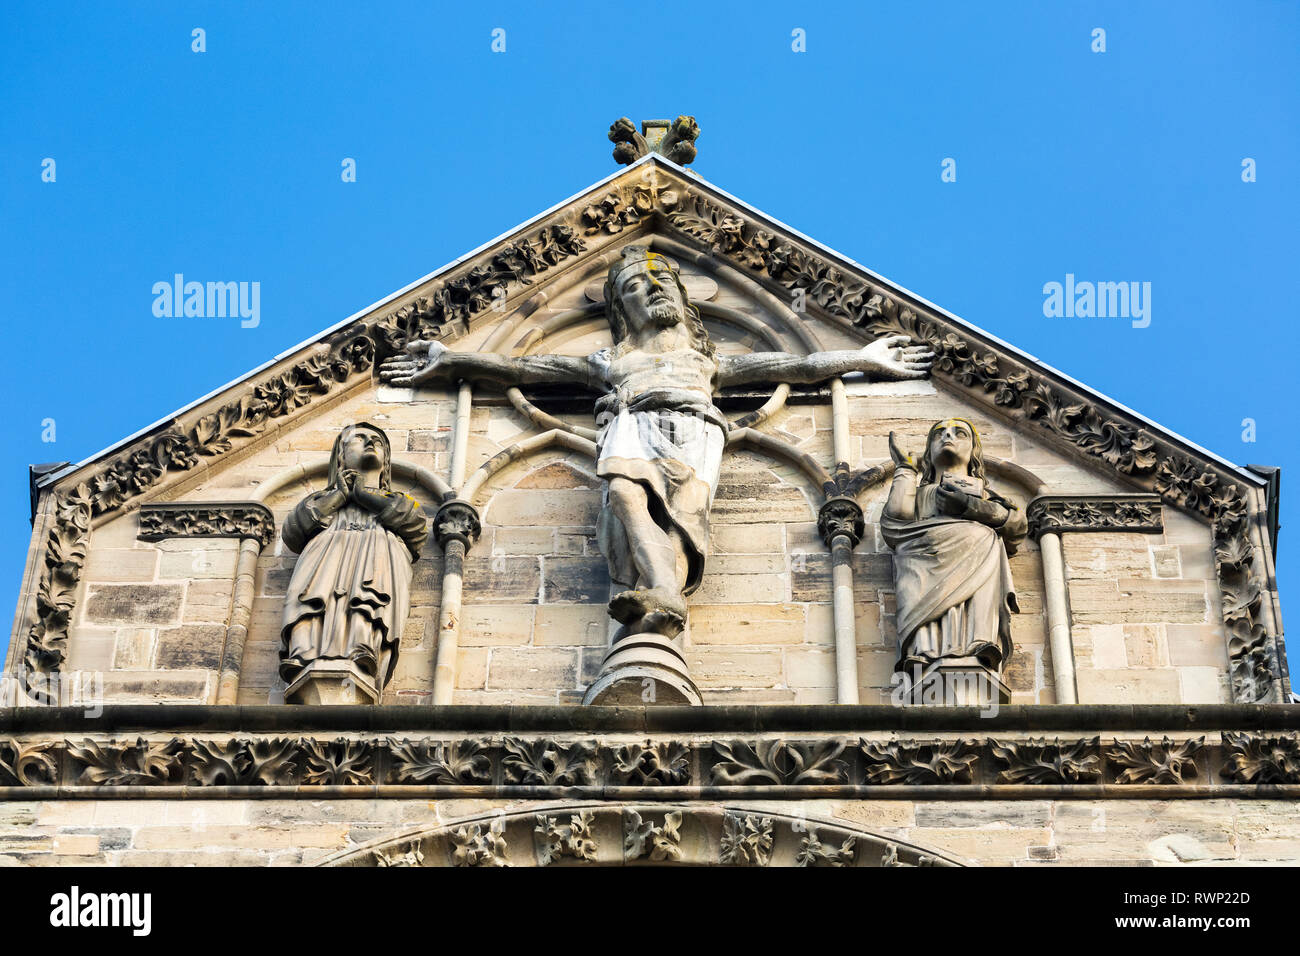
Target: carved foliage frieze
(1147, 762)
(654, 841)
(1136, 514)
(27, 765)
(746, 840)
(554, 839)
(652, 764)
(479, 845)
(912, 762)
(1262, 758)
(212, 519)
(545, 766)
(779, 762)
(1048, 762)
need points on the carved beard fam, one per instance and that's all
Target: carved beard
(664, 313)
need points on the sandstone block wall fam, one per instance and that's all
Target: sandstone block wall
(151, 616)
(1005, 833)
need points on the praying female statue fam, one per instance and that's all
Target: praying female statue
(350, 591)
(951, 535)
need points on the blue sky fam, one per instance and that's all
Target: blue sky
(225, 165)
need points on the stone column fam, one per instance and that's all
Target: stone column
(1058, 617)
(841, 524)
(1050, 518)
(251, 522)
(241, 612)
(456, 526)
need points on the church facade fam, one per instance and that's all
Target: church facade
(651, 532)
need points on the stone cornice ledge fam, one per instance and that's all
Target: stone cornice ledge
(392, 718)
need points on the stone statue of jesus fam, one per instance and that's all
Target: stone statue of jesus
(661, 436)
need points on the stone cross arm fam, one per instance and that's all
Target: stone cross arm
(891, 358)
(888, 358)
(427, 361)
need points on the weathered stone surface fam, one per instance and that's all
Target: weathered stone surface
(429, 442)
(496, 579)
(1203, 685)
(508, 540)
(209, 601)
(90, 649)
(748, 624)
(1133, 600)
(718, 667)
(471, 667)
(210, 558)
(1020, 672)
(190, 647)
(1156, 685)
(1192, 645)
(133, 649)
(1165, 562)
(121, 564)
(525, 668)
(1145, 645)
(746, 539)
(162, 687)
(575, 580)
(559, 474)
(133, 603)
(558, 507)
(810, 667)
(740, 589)
(1107, 555)
(488, 625)
(571, 625)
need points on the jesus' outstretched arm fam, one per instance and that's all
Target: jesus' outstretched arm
(425, 361)
(888, 358)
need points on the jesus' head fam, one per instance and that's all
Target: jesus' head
(644, 293)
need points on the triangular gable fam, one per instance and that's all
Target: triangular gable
(655, 195)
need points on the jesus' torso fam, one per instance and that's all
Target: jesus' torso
(637, 371)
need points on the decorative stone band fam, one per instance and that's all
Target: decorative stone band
(457, 520)
(624, 766)
(1139, 514)
(623, 835)
(210, 519)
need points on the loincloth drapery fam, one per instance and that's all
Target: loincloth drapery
(670, 442)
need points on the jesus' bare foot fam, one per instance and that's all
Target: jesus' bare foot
(639, 603)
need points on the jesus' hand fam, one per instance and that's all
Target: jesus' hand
(417, 366)
(892, 357)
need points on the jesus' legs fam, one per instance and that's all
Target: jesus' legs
(656, 555)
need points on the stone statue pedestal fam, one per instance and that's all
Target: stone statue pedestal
(643, 669)
(332, 682)
(958, 682)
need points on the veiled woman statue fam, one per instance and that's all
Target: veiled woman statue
(350, 589)
(951, 534)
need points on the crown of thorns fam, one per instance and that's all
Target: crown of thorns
(636, 256)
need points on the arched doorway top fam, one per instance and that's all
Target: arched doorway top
(638, 834)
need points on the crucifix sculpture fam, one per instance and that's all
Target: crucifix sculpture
(659, 449)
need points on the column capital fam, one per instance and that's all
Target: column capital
(841, 515)
(457, 520)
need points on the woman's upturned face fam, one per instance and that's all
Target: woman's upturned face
(952, 445)
(363, 450)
